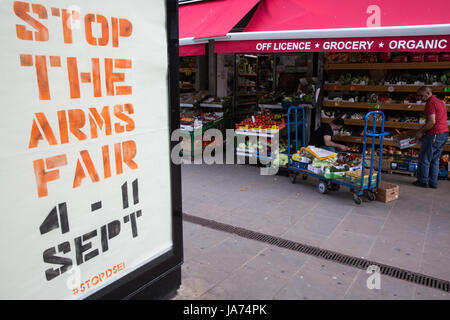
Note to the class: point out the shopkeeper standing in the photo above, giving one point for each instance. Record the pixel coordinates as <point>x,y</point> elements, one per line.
<point>434,135</point>
<point>321,138</point>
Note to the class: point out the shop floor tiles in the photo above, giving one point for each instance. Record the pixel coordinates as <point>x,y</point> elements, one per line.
<point>411,232</point>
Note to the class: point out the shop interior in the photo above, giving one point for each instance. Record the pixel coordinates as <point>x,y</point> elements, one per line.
<point>254,92</point>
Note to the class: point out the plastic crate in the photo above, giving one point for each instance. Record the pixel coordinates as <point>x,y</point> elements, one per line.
<point>299,165</point>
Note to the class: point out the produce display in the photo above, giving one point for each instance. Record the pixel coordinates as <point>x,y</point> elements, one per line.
<point>336,167</point>
<point>396,77</point>
<point>352,98</point>
<point>193,98</point>
<point>194,119</point>
<point>224,101</point>
<point>304,94</point>
<point>263,121</point>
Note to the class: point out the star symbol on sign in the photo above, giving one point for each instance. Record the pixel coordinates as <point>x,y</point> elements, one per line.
<point>317,45</point>
<point>381,44</point>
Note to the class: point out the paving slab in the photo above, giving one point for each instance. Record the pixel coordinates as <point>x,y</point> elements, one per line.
<point>231,254</point>
<point>425,293</point>
<point>317,280</point>
<point>249,284</point>
<point>365,225</point>
<point>389,289</point>
<point>197,278</point>
<point>398,252</point>
<point>280,262</point>
<point>198,240</point>
<point>350,243</point>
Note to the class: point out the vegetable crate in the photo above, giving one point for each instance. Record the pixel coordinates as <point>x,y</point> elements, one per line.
<point>361,181</point>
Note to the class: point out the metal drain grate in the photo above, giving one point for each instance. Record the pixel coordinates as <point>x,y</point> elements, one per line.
<point>337,257</point>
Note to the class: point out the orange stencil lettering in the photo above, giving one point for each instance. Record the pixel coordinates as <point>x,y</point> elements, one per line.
<point>63,126</point>
<point>67,17</point>
<point>42,78</point>
<point>79,171</point>
<point>42,176</point>
<point>112,77</point>
<point>118,112</point>
<point>96,83</point>
<point>106,162</point>
<point>121,27</point>
<point>118,157</point>
<point>77,120</point>
<point>129,152</point>
<point>96,120</point>
<point>21,10</point>
<point>38,131</point>
<point>88,20</point>
<point>86,77</point>
<point>74,81</point>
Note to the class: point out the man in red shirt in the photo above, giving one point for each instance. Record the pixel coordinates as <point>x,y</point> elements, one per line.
<point>434,135</point>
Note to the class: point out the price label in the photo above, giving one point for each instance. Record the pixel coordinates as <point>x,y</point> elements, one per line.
<point>391,89</point>
<point>253,119</point>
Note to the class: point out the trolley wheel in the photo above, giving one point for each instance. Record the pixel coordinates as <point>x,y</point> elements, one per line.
<point>357,199</point>
<point>305,176</point>
<point>335,187</point>
<point>293,177</point>
<point>371,195</point>
<point>322,187</point>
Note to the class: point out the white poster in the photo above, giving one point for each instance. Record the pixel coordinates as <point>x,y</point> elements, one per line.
<point>84,136</point>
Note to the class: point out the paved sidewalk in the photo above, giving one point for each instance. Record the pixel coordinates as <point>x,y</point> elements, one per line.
<point>412,233</point>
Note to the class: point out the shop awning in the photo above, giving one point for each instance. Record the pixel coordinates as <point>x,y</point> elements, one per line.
<point>310,25</point>
<point>192,50</point>
<point>210,19</point>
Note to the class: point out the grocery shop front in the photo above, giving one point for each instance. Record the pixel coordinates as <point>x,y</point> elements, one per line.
<point>343,60</point>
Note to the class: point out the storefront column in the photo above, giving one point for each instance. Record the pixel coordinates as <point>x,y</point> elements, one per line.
<point>212,69</point>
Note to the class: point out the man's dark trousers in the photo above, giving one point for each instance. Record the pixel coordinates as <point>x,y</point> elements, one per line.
<point>430,151</point>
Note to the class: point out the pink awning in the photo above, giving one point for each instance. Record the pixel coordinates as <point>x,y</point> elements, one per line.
<point>211,19</point>
<point>192,50</point>
<point>350,25</point>
<point>280,15</point>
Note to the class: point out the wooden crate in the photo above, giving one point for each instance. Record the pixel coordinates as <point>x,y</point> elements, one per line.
<point>385,162</point>
<point>387,192</point>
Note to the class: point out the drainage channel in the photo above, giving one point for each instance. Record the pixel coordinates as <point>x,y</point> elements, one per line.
<point>337,257</point>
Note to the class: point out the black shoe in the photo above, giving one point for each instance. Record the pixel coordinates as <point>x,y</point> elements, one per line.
<point>432,187</point>
<point>420,184</point>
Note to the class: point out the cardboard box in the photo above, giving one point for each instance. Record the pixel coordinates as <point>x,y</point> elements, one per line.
<point>405,140</point>
<point>387,192</point>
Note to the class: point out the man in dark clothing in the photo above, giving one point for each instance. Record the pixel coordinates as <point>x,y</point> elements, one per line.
<point>434,135</point>
<point>321,138</point>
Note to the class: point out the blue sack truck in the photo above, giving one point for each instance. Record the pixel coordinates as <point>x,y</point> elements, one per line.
<point>326,184</point>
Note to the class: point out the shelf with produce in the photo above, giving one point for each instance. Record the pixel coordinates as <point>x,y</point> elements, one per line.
<point>386,142</point>
<point>247,74</point>
<point>373,106</point>
<point>270,106</point>
<point>382,88</point>
<point>247,94</point>
<point>187,70</point>
<point>387,66</point>
<point>186,105</point>
<point>212,105</point>
<point>247,103</point>
<point>388,124</point>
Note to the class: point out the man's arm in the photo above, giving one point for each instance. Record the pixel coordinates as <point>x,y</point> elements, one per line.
<point>431,120</point>
<point>329,143</point>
